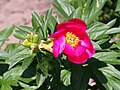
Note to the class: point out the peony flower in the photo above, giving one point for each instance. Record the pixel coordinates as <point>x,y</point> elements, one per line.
<point>72,39</point>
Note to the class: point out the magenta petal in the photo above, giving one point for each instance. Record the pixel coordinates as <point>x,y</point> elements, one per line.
<point>80,50</point>
<point>79,60</point>
<point>85,43</point>
<point>69,50</point>
<point>80,23</point>
<point>90,50</point>
<point>58,46</point>
<point>74,52</point>
<point>57,34</point>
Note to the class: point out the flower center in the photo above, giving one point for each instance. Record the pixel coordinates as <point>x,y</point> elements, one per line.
<point>71,39</point>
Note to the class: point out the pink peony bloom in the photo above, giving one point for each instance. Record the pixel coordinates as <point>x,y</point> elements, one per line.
<point>72,39</point>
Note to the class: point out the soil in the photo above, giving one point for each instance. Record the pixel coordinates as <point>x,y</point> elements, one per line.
<point>19,12</point>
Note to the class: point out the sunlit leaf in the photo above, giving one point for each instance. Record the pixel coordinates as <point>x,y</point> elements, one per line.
<point>65,77</point>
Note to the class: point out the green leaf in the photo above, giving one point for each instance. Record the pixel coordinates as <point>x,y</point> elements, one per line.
<point>97,31</point>
<point>27,87</point>
<point>65,77</point>
<point>27,80</point>
<point>19,34</point>
<point>37,24</point>
<point>111,23</point>
<point>26,29</point>
<point>40,78</point>
<point>97,47</point>
<point>52,24</point>
<point>112,75</point>
<point>95,11</point>
<point>17,54</point>
<point>46,20</point>
<point>13,48</point>
<point>102,41</point>
<point>108,57</point>
<point>17,58</point>
<point>6,86</point>
<point>26,62</point>
<point>98,75</point>
<point>113,31</point>
<point>105,55</point>
<point>13,74</point>
<point>4,55</point>
<point>6,33</point>
<point>64,8</point>
<point>3,38</point>
<point>118,6</point>
<point>111,71</point>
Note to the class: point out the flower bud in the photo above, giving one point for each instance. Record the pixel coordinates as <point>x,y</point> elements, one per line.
<point>26,43</point>
<point>29,37</point>
<point>35,38</point>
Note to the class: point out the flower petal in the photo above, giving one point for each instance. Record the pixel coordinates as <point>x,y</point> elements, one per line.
<point>80,23</point>
<point>58,45</point>
<point>74,52</point>
<point>77,31</point>
<point>69,50</point>
<point>79,60</point>
<point>90,50</point>
<point>57,34</point>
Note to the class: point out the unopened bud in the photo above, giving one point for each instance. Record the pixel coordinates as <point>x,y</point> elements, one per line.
<point>29,37</point>
<point>35,38</point>
<point>26,43</point>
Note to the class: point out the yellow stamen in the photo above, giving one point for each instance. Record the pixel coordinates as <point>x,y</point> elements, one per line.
<point>71,39</point>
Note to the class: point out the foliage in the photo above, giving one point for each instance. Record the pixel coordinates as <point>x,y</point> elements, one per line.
<point>33,67</point>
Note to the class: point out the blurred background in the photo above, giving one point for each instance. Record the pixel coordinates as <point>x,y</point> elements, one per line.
<point>19,11</point>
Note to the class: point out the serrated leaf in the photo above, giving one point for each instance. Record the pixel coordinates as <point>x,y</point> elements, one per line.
<point>65,77</point>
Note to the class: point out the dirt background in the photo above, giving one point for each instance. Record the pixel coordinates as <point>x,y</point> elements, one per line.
<point>19,12</point>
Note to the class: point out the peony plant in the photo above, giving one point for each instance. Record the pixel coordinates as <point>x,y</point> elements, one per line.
<point>76,50</point>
